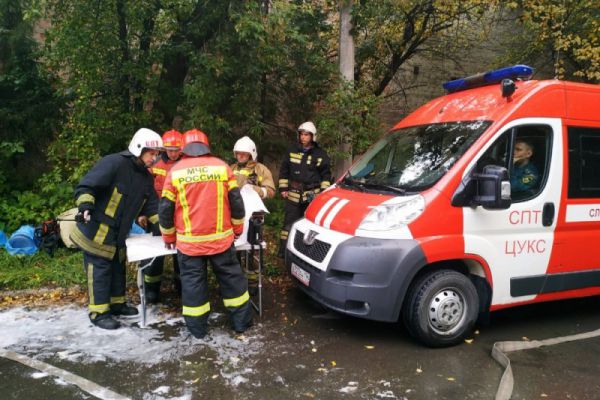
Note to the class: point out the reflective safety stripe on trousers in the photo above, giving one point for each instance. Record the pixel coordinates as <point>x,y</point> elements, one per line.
<point>196,311</point>
<point>237,301</point>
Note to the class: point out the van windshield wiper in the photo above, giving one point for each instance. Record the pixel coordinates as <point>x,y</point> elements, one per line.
<point>352,183</point>
<point>389,188</point>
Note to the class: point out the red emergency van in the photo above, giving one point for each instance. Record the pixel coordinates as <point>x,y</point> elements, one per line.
<point>482,199</point>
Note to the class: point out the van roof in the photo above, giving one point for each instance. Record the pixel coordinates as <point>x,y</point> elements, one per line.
<point>548,98</point>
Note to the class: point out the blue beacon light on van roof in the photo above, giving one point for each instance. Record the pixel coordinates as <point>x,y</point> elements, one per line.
<point>489,78</point>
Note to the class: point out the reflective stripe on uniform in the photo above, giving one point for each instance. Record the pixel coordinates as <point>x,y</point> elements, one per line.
<point>325,184</point>
<point>85,198</point>
<point>153,218</point>
<point>159,171</point>
<point>113,203</point>
<point>220,205</point>
<point>235,221</point>
<point>284,235</point>
<point>102,250</point>
<point>101,234</point>
<point>117,300</point>
<point>152,279</point>
<point>204,238</point>
<point>196,311</point>
<point>168,195</point>
<point>232,184</point>
<point>237,301</point>
<point>185,212</point>
<point>167,231</point>
<point>90,281</point>
<point>98,308</point>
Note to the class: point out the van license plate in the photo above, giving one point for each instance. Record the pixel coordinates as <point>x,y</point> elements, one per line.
<point>301,274</point>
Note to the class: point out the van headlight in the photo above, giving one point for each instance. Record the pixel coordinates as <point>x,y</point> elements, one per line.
<point>393,214</point>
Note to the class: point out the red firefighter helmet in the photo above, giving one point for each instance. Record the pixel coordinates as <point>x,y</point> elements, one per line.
<point>195,143</point>
<point>172,140</point>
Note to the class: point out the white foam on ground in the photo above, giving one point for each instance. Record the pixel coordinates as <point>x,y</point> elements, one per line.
<point>66,332</point>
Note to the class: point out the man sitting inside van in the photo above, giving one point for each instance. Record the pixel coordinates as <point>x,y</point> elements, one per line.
<point>524,177</point>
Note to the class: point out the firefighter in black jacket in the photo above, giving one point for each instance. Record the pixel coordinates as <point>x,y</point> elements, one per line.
<point>116,191</point>
<point>304,172</point>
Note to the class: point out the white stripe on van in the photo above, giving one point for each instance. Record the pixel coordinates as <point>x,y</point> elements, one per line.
<point>334,212</point>
<point>324,209</point>
<point>583,213</point>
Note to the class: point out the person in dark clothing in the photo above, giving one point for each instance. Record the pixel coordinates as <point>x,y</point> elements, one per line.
<point>201,212</point>
<point>116,191</point>
<point>524,176</point>
<point>304,173</point>
<point>153,275</point>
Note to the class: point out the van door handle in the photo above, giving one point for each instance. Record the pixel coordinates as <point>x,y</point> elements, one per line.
<point>548,214</point>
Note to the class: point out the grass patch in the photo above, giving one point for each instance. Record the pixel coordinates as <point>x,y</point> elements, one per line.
<point>40,270</point>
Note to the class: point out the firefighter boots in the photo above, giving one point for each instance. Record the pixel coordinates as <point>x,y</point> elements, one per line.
<point>241,318</point>
<point>197,326</point>
<point>153,292</point>
<point>123,309</point>
<point>104,321</point>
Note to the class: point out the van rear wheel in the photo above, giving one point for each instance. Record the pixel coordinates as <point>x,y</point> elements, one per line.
<point>441,308</point>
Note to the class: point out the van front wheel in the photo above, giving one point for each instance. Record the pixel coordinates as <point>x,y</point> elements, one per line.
<point>441,308</point>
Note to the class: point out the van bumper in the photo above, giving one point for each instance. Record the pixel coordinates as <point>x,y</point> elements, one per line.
<point>366,277</point>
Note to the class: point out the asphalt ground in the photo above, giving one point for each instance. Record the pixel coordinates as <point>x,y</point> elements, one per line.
<point>298,350</point>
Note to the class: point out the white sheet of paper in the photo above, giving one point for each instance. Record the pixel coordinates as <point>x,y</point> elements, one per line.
<point>142,247</point>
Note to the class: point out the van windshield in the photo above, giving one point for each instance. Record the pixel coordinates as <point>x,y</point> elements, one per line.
<point>413,159</point>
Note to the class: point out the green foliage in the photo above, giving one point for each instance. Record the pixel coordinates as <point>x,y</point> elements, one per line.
<point>349,115</point>
<point>566,33</point>
<point>40,270</point>
<point>29,108</point>
<point>276,212</point>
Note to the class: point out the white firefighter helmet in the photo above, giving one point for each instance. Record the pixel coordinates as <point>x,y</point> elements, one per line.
<point>246,145</point>
<point>145,138</point>
<point>309,127</point>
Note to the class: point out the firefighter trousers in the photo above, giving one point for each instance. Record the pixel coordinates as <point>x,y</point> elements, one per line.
<point>293,212</point>
<point>233,288</point>
<point>153,274</point>
<point>105,280</point>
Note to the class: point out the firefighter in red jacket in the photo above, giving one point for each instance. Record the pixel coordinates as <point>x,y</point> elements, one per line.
<point>200,213</point>
<point>172,141</point>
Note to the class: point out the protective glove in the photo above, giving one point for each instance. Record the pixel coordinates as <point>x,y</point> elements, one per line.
<point>85,212</point>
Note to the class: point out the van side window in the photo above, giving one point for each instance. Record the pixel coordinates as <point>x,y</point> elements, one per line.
<point>530,159</point>
<point>584,162</point>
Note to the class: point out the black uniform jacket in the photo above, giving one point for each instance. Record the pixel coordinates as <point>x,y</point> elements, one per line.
<point>304,172</point>
<point>116,190</point>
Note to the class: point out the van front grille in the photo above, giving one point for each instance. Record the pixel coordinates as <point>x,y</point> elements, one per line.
<point>316,251</point>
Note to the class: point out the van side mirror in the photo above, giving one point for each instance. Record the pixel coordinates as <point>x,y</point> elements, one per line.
<point>489,189</point>
<point>493,188</point>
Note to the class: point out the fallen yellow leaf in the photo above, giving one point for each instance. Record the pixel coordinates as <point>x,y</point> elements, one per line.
<point>468,341</point>
<point>333,363</point>
<point>451,379</point>
<point>369,347</point>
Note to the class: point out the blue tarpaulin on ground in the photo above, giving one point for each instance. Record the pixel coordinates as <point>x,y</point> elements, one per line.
<point>2,239</point>
<point>22,241</point>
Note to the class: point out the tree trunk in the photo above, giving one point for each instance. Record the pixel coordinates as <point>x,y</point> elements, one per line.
<point>347,72</point>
